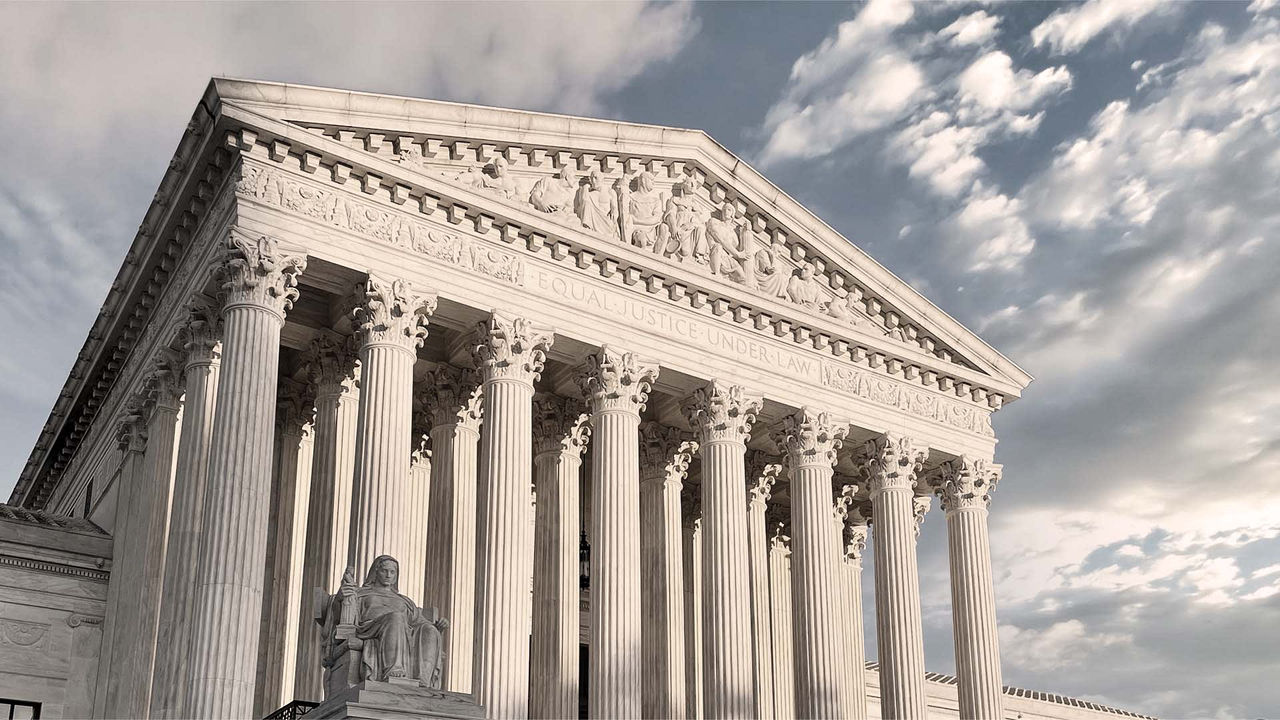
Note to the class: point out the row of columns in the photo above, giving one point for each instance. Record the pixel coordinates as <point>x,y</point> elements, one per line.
<point>709,574</point>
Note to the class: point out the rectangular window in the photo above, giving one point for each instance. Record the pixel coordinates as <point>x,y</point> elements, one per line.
<point>19,710</point>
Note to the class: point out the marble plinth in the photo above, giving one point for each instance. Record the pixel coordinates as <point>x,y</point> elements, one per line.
<point>396,701</point>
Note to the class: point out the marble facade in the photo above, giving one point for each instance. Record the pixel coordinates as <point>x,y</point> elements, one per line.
<point>354,325</point>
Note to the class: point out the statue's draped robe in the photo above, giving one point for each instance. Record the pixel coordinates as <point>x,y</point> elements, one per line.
<point>398,640</point>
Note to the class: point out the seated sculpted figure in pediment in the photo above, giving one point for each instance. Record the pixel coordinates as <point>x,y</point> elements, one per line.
<point>372,632</point>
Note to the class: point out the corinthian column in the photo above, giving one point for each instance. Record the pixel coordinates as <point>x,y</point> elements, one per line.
<point>691,529</point>
<point>139,562</point>
<point>854,541</point>
<point>892,463</point>
<point>202,351</point>
<point>331,368</point>
<point>453,399</point>
<point>616,385</point>
<point>966,492</point>
<point>560,434</point>
<point>664,460</point>
<point>392,324</point>
<point>510,353</point>
<point>811,440</point>
<point>784,688</point>
<point>722,415</point>
<point>259,280</point>
<point>762,473</point>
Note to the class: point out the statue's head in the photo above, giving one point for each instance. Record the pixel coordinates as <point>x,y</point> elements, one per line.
<point>384,572</point>
<point>499,166</point>
<point>567,176</point>
<point>645,181</point>
<point>596,180</point>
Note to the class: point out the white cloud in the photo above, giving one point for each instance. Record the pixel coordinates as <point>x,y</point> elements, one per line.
<point>1066,31</point>
<point>992,85</point>
<point>976,28</point>
<point>1061,645</point>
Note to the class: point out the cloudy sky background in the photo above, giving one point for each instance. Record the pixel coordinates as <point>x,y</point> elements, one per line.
<point>1094,188</point>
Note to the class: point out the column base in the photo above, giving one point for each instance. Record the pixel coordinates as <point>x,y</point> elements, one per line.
<point>396,701</point>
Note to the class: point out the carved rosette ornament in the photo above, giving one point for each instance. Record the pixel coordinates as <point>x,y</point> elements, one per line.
<point>722,412</point>
<point>810,438</point>
<point>389,312</point>
<point>511,348</point>
<point>614,380</point>
<point>258,271</point>
<point>665,452</point>
<point>560,425</point>
<point>892,461</point>
<point>967,483</point>
<point>454,397</point>
<point>201,335</point>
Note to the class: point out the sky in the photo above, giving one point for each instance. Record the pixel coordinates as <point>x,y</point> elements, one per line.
<point>1094,188</point>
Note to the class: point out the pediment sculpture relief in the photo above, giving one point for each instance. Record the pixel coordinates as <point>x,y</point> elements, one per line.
<point>372,632</point>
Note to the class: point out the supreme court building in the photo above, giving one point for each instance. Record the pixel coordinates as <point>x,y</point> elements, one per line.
<point>625,413</point>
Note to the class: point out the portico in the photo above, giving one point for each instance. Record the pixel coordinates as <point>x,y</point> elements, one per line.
<point>378,302</point>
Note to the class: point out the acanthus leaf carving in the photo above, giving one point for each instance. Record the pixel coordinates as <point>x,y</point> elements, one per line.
<point>665,452</point>
<point>257,270</point>
<point>391,312</point>
<point>810,438</point>
<point>722,412</point>
<point>967,483</point>
<point>511,348</point>
<point>560,425</point>
<point>331,365</point>
<point>763,473</point>
<point>892,462</point>
<point>454,396</point>
<point>614,380</point>
<point>920,505</point>
<point>200,335</point>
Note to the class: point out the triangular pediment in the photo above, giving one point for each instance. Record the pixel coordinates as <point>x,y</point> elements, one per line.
<point>668,196</point>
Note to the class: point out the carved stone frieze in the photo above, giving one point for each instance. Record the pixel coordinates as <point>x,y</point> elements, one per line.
<point>665,452</point>
<point>389,311</point>
<point>256,270</point>
<point>337,209</point>
<point>454,396</point>
<point>616,380</point>
<point>885,391</point>
<point>509,347</point>
<point>967,483</point>
<point>892,462</point>
<point>810,438</point>
<point>560,425</point>
<point>722,412</point>
<point>24,635</point>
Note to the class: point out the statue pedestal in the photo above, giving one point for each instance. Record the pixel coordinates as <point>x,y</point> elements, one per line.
<point>397,701</point>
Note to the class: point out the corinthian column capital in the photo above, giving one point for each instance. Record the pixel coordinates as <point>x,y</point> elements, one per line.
<point>560,426</point>
<point>967,483</point>
<point>131,428</point>
<point>616,380</point>
<point>389,312</point>
<point>257,270</point>
<point>763,471</point>
<point>691,507</point>
<point>331,364</point>
<point>295,406</point>
<point>164,384</point>
<point>454,397</point>
<point>810,438</point>
<point>665,452</point>
<point>511,348</point>
<point>920,506</point>
<point>722,412</point>
<point>200,337</point>
<point>892,461</point>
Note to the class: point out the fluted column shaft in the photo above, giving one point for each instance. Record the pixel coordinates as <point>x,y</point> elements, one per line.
<point>965,491</point>
<point>392,325</point>
<point>616,385</point>
<point>201,342</point>
<point>761,477</point>
<point>288,526</point>
<point>454,400</point>
<point>839,581</point>
<point>331,369</point>
<point>811,440</point>
<point>691,529</point>
<point>560,435</point>
<point>784,689</point>
<point>854,541</point>
<point>510,353</point>
<point>413,580</point>
<point>665,456</point>
<point>259,280</point>
<point>722,416</point>
<point>892,466</point>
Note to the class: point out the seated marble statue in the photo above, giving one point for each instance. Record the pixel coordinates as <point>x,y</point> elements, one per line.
<point>372,632</point>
